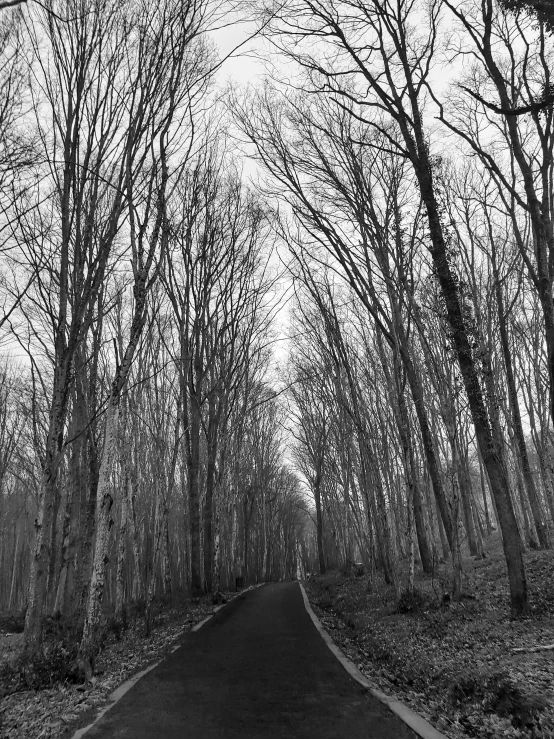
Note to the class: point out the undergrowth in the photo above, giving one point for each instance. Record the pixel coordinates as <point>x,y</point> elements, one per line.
<point>12,623</point>
<point>411,601</point>
<point>55,662</point>
<point>462,662</point>
<point>51,665</point>
<point>498,692</point>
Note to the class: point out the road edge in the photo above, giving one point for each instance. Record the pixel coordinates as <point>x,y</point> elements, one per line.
<point>125,687</point>
<point>417,723</point>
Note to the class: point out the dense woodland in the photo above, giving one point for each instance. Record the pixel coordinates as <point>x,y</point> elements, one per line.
<point>397,237</point>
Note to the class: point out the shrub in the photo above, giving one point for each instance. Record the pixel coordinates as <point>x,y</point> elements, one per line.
<point>498,693</point>
<point>411,601</point>
<point>116,626</point>
<point>64,629</point>
<point>13,623</point>
<point>325,601</point>
<point>506,698</point>
<point>346,570</point>
<point>377,651</point>
<point>136,609</point>
<point>467,688</point>
<point>437,624</point>
<point>53,664</point>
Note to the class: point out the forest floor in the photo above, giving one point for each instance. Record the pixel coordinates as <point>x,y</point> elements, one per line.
<point>455,663</point>
<point>59,710</point>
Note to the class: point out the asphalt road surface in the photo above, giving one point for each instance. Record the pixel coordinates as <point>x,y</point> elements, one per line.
<point>258,669</point>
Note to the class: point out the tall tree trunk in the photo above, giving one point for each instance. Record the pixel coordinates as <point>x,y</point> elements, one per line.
<point>466,494</point>
<point>428,445</point>
<point>377,511</point>
<point>193,464</point>
<point>137,588</point>
<point>209,498</point>
<point>396,390</point>
<point>104,502</point>
<point>156,546</point>
<point>122,550</point>
<point>65,552</point>
<point>245,532</point>
<point>429,448</point>
<point>89,489</point>
<point>166,561</point>
<point>488,445</point>
<point>319,523</point>
<point>217,557</point>
<point>14,570</point>
<point>415,498</point>
<point>53,546</point>
<point>536,508</point>
<point>484,494</point>
<point>235,566</point>
<point>40,560</point>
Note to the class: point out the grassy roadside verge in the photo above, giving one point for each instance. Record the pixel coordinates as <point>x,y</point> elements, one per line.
<point>455,663</point>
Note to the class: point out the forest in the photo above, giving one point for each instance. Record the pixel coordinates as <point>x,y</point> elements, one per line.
<point>254,332</point>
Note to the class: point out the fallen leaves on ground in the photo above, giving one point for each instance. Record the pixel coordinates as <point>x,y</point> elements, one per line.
<point>453,663</point>
<point>59,711</point>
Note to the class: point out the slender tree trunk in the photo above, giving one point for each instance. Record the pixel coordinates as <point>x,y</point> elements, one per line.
<point>484,494</point>
<point>413,488</point>
<point>156,546</point>
<point>377,512</point>
<point>53,547</point>
<point>217,559</point>
<point>235,566</point>
<point>319,523</point>
<point>245,530</point>
<point>137,589</point>
<point>209,499</point>
<point>14,569</point>
<point>193,464</point>
<point>89,489</point>
<point>406,440</point>
<point>457,551</point>
<point>466,493</point>
<point>122,551</point>
<point>166,561</point>
<point>536,508</point>
<point>498,476</point>
<point>411,547</point>
<point>429,449</point>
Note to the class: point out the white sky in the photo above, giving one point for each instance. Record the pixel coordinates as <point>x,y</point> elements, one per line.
<point>242,68</point>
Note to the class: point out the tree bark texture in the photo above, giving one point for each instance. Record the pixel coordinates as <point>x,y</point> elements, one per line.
<point>488,446</point>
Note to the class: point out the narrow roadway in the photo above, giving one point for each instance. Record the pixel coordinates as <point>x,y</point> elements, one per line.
<point>257,669</point>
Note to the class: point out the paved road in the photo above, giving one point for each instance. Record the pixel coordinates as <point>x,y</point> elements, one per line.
<point>258,670</point>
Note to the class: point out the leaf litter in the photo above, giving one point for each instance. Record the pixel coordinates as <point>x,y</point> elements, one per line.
<point>454,662</point>
<point>60,710</point>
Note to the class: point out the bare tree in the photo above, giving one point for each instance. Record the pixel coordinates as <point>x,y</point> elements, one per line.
<point>313,424</point>
<point>383,83</point>
<point>160,104</point>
